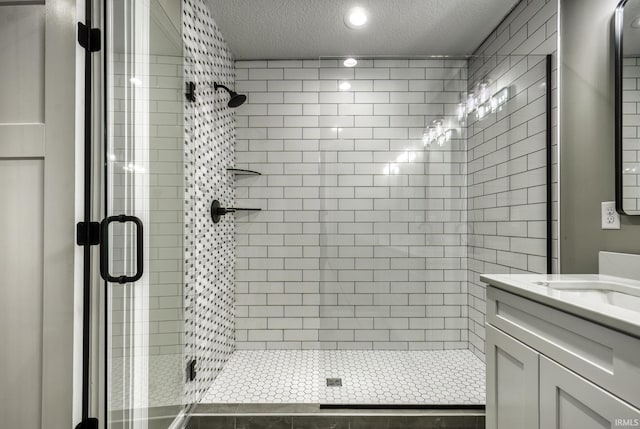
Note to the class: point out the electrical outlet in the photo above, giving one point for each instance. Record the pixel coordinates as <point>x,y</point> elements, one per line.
<point>610,218</point>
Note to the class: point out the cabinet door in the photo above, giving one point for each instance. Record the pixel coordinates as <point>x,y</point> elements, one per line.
<point>512,382</point>
<point>568,401</point>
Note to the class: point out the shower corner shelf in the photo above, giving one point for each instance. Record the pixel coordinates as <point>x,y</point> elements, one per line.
<point>217,211</point>
<point>243,172</point>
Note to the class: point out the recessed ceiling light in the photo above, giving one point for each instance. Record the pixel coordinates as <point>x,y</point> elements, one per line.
<point>636,22</point>
<point>356,17</point>
<point>344,86</point>
<point>350,62</point>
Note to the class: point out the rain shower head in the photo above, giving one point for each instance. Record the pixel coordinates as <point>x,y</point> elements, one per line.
<point>235,100</point>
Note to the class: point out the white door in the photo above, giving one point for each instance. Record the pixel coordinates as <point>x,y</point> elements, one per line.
<point>37,213</point>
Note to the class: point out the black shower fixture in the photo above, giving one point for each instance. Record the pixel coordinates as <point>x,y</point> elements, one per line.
<point>235,100</point>
<point>190,92</point>
<point>217,210</point>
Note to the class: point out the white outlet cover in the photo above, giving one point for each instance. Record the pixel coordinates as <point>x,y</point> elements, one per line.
<point>609,215</point>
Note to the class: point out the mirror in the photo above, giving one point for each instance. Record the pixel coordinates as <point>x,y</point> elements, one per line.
<point>627,122</point>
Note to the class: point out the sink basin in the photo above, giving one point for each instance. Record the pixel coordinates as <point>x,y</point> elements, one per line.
<point>604,292</point>
<point>610,298</point>
<point>619,299</point>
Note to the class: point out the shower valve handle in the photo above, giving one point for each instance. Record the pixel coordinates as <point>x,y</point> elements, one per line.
<point>221,211</point>
<point>217,210</point>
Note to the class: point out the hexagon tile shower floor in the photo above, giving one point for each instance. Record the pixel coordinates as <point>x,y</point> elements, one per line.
<point>435,377</point>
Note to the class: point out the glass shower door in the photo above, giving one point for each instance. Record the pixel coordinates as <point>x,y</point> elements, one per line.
<point>145,364</point>
<point>393,227</point>
<point>433,171</point>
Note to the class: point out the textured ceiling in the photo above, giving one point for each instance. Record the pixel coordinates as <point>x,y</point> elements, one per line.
<point>281,29</point>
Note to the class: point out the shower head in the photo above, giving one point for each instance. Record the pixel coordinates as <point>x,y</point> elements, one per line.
<point>235,100</point>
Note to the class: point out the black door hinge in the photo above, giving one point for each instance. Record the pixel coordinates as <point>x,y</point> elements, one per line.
<point>89,38</point>
<point>191,370</point>
<point>190,92</point>
<point>94,233</point>
<point>90,423</point>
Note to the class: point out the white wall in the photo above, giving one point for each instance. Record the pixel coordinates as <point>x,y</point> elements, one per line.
<point>587,136</point>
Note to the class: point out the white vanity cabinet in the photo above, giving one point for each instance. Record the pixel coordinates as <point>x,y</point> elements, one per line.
<point>548,369</point>
<point>568,401</point>
<point>512,382</point>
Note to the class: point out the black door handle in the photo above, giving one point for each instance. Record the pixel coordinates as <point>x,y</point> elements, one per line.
<point>104,249</point>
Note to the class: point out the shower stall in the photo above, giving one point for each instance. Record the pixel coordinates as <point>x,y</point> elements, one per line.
<point>356,206</point>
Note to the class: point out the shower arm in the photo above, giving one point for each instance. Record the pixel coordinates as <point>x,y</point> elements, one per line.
<point>217,85</point>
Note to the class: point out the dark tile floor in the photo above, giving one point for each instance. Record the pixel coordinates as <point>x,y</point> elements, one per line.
<point>309,416</point>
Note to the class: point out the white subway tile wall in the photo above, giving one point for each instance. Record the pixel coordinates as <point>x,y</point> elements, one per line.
<point>361,241</point>
<point>137,169</point>
<point>506,156</point>
<point>209,248</point>
<point>631,133</point>
<point>165,217</point>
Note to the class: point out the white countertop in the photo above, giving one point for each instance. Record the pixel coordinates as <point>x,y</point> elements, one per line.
<point>621,319</point>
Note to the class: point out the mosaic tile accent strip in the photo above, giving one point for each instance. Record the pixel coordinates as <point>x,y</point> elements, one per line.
<point>506,156</point>
<point>209,247</point>
<point>368,377</point>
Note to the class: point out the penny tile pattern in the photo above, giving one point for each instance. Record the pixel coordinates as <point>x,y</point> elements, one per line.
<point>209,248</point>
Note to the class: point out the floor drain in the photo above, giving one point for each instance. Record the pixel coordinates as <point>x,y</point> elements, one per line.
<point>334,382</point>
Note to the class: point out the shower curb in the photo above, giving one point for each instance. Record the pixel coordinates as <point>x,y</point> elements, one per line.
<point>312,416</point>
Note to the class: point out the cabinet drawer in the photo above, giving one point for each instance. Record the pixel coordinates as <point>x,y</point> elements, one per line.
<point>608,358</point>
